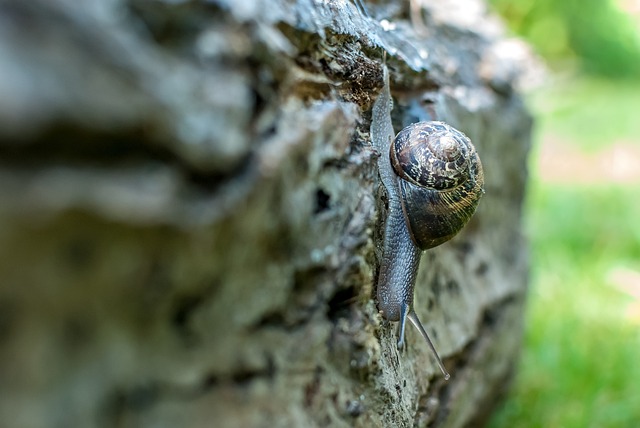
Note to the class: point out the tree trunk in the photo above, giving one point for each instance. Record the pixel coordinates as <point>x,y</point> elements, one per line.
<point>191,217</point>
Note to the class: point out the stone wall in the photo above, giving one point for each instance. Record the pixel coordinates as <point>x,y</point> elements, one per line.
<point>190,214</point>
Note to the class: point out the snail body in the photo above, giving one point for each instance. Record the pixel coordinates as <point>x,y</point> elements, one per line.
<point>434,181</point>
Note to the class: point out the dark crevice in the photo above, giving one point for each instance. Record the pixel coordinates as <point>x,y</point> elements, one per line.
<point>492,314</point>
<point>182,312</point>
<point>185,306</point>
<point>490,317</point>
<point>340,304</point>
<point>238,378</point>
<point>247,376</point>
<point>280,320</point>
<point>271,319</point>
<point>323,200</point>
<point>72,145</point>
<point>77,144</point>
<point>482,269</point>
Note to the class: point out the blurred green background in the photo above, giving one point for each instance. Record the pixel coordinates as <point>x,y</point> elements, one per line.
<point>580,365</point>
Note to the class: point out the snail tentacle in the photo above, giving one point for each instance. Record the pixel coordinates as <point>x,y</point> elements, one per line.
<point>413,317</point>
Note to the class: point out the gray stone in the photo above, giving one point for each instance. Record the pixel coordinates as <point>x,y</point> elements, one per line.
<point>189,214</point>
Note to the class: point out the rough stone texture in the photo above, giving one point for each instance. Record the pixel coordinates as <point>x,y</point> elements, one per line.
<point>189,214</point>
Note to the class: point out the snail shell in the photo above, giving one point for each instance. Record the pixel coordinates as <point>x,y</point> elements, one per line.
<point>441,180</point>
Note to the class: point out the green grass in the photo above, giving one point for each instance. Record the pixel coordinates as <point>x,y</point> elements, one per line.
<point>581,362</point>
<point>580,366</point>
<point>590,113</point>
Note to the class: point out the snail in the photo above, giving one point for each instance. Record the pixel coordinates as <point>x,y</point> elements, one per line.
<point>434,180</point>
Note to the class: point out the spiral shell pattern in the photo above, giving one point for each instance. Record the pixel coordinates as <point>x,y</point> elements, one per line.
<point>440,178</point>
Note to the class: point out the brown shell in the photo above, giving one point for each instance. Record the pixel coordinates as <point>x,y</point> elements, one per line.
<point>441,180</point>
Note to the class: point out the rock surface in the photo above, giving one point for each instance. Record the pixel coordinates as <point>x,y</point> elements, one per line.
<point>190,214</point>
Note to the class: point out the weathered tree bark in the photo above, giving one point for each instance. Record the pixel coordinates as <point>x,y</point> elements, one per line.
<point>190,214</point>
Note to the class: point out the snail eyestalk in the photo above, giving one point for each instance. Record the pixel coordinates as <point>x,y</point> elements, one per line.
<point>413,317</point>
<point>403,322</point>
<point>405,314</point>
